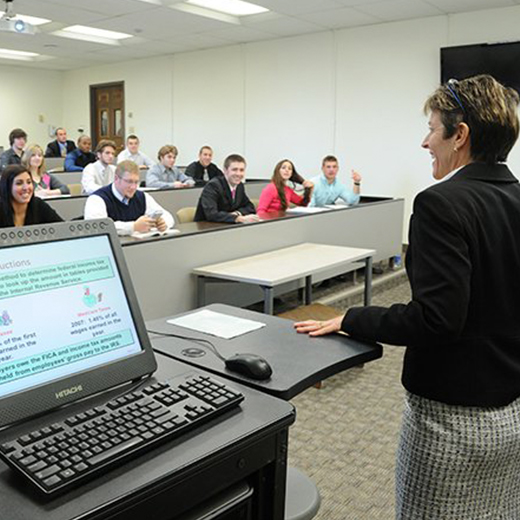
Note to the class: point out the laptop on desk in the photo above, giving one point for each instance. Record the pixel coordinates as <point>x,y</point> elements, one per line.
<point>71,329</point>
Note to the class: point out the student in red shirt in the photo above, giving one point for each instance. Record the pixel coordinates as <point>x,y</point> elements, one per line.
<point>277,196</point>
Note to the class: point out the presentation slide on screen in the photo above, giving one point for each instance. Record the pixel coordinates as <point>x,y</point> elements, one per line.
<point>62,310</point>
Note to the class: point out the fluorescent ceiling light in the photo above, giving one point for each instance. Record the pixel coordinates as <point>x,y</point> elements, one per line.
<point>91,34</point>
<point>17,55</point>
<point>92,31</point>
<point>232,7</point>
<point>33,20</point>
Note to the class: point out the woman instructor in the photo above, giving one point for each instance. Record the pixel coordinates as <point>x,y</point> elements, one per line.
<point>459,450</point>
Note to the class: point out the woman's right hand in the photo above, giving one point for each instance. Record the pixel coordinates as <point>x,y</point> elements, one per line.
<point>319,328</point>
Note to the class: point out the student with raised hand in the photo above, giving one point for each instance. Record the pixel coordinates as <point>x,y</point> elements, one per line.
<point>17,142</point>
<point>277,196</point>
<point>101,173</point>
<point>45,184</point>
<point>132,153</point>
<point>166,174</point>
<point>130,209</point>
<point>328,189</point>
<point>61,146</point>
<point>18,206</point>
<point>224,198</point>
<point>82,156</point>
<point>204,169</point>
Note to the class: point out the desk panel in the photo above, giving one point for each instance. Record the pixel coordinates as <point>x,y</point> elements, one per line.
<point>161,269</point>
<point>170,199</point>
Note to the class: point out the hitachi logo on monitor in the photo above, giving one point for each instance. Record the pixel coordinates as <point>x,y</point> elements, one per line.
<point>68,391</point>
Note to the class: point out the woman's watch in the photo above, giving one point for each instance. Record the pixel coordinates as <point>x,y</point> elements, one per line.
<point>357,184</point>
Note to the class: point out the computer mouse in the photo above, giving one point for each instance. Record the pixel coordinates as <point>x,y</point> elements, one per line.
<point>249,365</point>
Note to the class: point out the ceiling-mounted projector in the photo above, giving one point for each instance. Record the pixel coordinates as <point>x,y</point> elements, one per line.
<point>9,22</point>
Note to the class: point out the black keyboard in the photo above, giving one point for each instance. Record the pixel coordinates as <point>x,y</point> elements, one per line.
<point>64,454</point>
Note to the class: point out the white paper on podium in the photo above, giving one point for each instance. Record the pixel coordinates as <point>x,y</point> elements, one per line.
<point>216,324</point>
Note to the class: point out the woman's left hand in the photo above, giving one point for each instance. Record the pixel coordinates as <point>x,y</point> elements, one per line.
<point>319,328</point>
<point>308,184</point>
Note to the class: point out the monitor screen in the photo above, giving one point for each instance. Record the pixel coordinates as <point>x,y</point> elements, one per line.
<point>69,319</point>
<point>63,310</point>
<point>500,60</point>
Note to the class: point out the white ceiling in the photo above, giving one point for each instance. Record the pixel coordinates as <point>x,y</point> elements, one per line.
<point>158,29</point>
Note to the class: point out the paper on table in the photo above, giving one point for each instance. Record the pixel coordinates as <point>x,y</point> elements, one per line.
<point>155,233</point>
<point>307,209</point>
<point>216,324</point>
<point>339,205</point>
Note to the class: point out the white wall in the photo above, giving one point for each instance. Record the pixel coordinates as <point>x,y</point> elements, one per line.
<point>357,93</point>
<point>25,96</point>
<point>148,97</point>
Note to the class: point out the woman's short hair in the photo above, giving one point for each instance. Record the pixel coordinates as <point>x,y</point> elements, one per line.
<point>30,151</point>
<point>166,149</point>
<point>487,107</point>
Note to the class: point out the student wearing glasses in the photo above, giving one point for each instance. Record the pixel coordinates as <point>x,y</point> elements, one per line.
<point>130,209</point>
<point>459,451</point>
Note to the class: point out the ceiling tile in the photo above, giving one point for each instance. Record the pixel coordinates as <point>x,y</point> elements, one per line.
<point>241,34</point>
<point>283,26</point>
<point>339,18</point>
<point>295,7</point>
<point>392,10</point>
<point>449,6</point>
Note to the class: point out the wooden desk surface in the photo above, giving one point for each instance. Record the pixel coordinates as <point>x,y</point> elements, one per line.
<point>283,265</point>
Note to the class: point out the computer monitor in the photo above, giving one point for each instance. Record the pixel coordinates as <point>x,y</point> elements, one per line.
<point>70,324</point>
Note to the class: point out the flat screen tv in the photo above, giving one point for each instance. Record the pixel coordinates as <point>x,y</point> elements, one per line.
<point>501,60</point>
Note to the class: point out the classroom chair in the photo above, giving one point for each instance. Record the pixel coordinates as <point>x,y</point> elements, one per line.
<point>185,215</point>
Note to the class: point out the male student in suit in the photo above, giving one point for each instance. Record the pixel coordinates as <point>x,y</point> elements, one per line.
<point>130,209</point>
<point>224,198</point>
<point>61,146</point>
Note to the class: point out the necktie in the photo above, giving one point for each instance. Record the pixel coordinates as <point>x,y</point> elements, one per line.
<point>233,191</point>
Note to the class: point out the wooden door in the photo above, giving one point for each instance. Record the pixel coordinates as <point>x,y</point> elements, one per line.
<point>107,113</point>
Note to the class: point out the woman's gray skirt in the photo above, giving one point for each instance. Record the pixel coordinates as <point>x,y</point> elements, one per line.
<point>457,462</point>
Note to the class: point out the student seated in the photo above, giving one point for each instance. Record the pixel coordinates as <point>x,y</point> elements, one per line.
<point>101,173</point>
<point>81,156</point>
<point>18,206</point>
<point>61,146</point>
<point>327,188</point>
<point>277,196</point>
<point>17,141</point>
<point>165,174</point>
<point>130,209</point>
<point>224,198</point>
<point>45,184</point>
<point>132,153</point>
<point>203,170</point>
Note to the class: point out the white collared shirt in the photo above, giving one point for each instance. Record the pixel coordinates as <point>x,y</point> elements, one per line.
<point>95,207</point>
<point>95,176</point>
<point>138,158</point>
